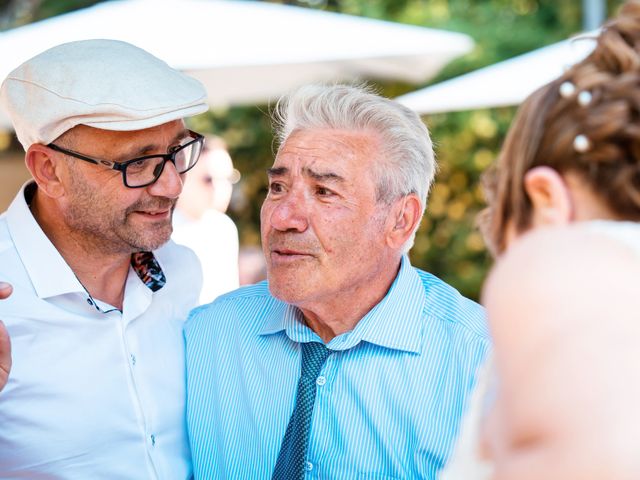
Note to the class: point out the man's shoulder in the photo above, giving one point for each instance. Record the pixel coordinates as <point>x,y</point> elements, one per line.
<point>179,262</point>
<point>257,292</point>
<point>175,253</point>
<point>447,304</point>
<point>248,301</point>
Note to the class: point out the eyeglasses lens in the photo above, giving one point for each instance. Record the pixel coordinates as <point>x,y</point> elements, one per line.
<point>147,171</point>
<point>187,156</point>
<point>144,171</point>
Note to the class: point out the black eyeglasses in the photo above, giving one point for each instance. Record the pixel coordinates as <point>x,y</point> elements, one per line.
<point>143,171</point>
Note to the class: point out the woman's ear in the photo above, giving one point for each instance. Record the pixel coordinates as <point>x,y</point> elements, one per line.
<point>45,170</point>
<point>550,197</point>
<point>407,214</point>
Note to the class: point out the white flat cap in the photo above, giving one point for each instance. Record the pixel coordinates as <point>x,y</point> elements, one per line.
<point>105,84</point>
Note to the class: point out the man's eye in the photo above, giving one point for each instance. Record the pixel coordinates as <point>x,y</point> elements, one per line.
<point>323,191</point>
<point>275,187</point>
<point>137,166</point>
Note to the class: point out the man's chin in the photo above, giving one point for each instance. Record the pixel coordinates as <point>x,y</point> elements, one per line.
<point>287,290</point>
<point>149,243</point>
<point>146,236</point>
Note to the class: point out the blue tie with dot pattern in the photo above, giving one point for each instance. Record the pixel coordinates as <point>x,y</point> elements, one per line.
<point>293,451</point>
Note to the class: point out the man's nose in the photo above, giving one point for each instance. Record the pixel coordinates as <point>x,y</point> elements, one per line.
<point>290,213</point>
<point>169,184</point>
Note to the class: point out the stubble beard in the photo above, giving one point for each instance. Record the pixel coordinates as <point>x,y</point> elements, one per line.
<point>147,239</point>
<point>100,228</point>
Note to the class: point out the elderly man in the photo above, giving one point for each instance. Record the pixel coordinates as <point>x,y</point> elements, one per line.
<point>99,296</point>
<point>349,363</point>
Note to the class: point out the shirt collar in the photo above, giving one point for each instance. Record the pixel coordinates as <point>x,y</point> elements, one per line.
<point>47,269</point>
<point>288,318</point>
<point>392,323</point>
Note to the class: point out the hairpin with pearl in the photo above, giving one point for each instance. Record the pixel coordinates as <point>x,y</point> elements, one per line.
<point>581,142</point>
<point>568,90</point>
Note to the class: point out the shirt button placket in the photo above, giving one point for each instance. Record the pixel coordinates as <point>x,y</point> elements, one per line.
<point>322,385</point>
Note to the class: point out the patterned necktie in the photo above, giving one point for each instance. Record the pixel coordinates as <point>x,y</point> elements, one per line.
<point>293,451</point>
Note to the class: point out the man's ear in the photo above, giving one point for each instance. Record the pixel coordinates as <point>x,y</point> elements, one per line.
<point>550,197</point>
<point>407,213</point>
<point>45,170</point>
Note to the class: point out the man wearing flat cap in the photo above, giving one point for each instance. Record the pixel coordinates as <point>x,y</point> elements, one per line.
<point>99,292</point>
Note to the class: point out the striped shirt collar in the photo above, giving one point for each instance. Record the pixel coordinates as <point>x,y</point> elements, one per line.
<point>391,323</point>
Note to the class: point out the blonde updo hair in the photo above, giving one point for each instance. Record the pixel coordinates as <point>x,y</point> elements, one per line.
<point>607,118</point>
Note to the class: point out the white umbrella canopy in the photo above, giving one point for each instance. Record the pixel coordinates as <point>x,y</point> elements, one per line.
<point>504,83</point>
<point>244,51</point>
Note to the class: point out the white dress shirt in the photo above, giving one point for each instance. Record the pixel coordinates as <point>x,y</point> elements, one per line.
<point>91,394</point>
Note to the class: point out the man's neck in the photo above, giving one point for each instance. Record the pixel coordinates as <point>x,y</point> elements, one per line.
<point>341,313</point>
<point>103,278</point>
<point>101,273</point>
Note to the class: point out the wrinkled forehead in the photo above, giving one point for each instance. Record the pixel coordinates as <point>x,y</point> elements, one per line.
<point>341,151</point>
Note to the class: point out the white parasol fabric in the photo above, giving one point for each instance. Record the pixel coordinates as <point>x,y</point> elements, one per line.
<point>248,52</point>
<point>504,83</point>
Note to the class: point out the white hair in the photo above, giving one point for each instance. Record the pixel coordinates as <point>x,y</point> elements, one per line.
<point>406,163</point>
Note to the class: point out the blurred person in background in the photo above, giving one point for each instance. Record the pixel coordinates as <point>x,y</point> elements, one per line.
<point>563,299</point>
<point>253,268</point>
<point>200,221</point>
<point>100,293</point>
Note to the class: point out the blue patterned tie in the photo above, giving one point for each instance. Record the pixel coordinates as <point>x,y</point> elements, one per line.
<point>293,451</point>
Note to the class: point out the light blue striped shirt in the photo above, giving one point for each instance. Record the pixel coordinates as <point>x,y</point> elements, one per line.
<point>389,399</point>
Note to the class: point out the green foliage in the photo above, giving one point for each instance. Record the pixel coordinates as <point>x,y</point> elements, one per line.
<point>14,13</point>
<point>49,8</point>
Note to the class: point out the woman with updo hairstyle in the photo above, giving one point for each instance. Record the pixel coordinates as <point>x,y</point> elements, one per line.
<point>563,299</point>
<point>585,127</point>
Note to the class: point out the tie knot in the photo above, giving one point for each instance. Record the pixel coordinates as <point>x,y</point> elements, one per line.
<point>314,354</point>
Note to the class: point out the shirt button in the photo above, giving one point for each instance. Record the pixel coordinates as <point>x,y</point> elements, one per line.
<point>309,466</point>
<point>89,301</point>
<point>321,380</point>
<point>133,360</point>
<point>153,440</point>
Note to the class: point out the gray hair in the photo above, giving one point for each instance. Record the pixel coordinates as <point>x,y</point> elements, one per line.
<point>407,161</point>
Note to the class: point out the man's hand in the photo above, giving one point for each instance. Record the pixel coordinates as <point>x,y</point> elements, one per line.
<point>5,344</point>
